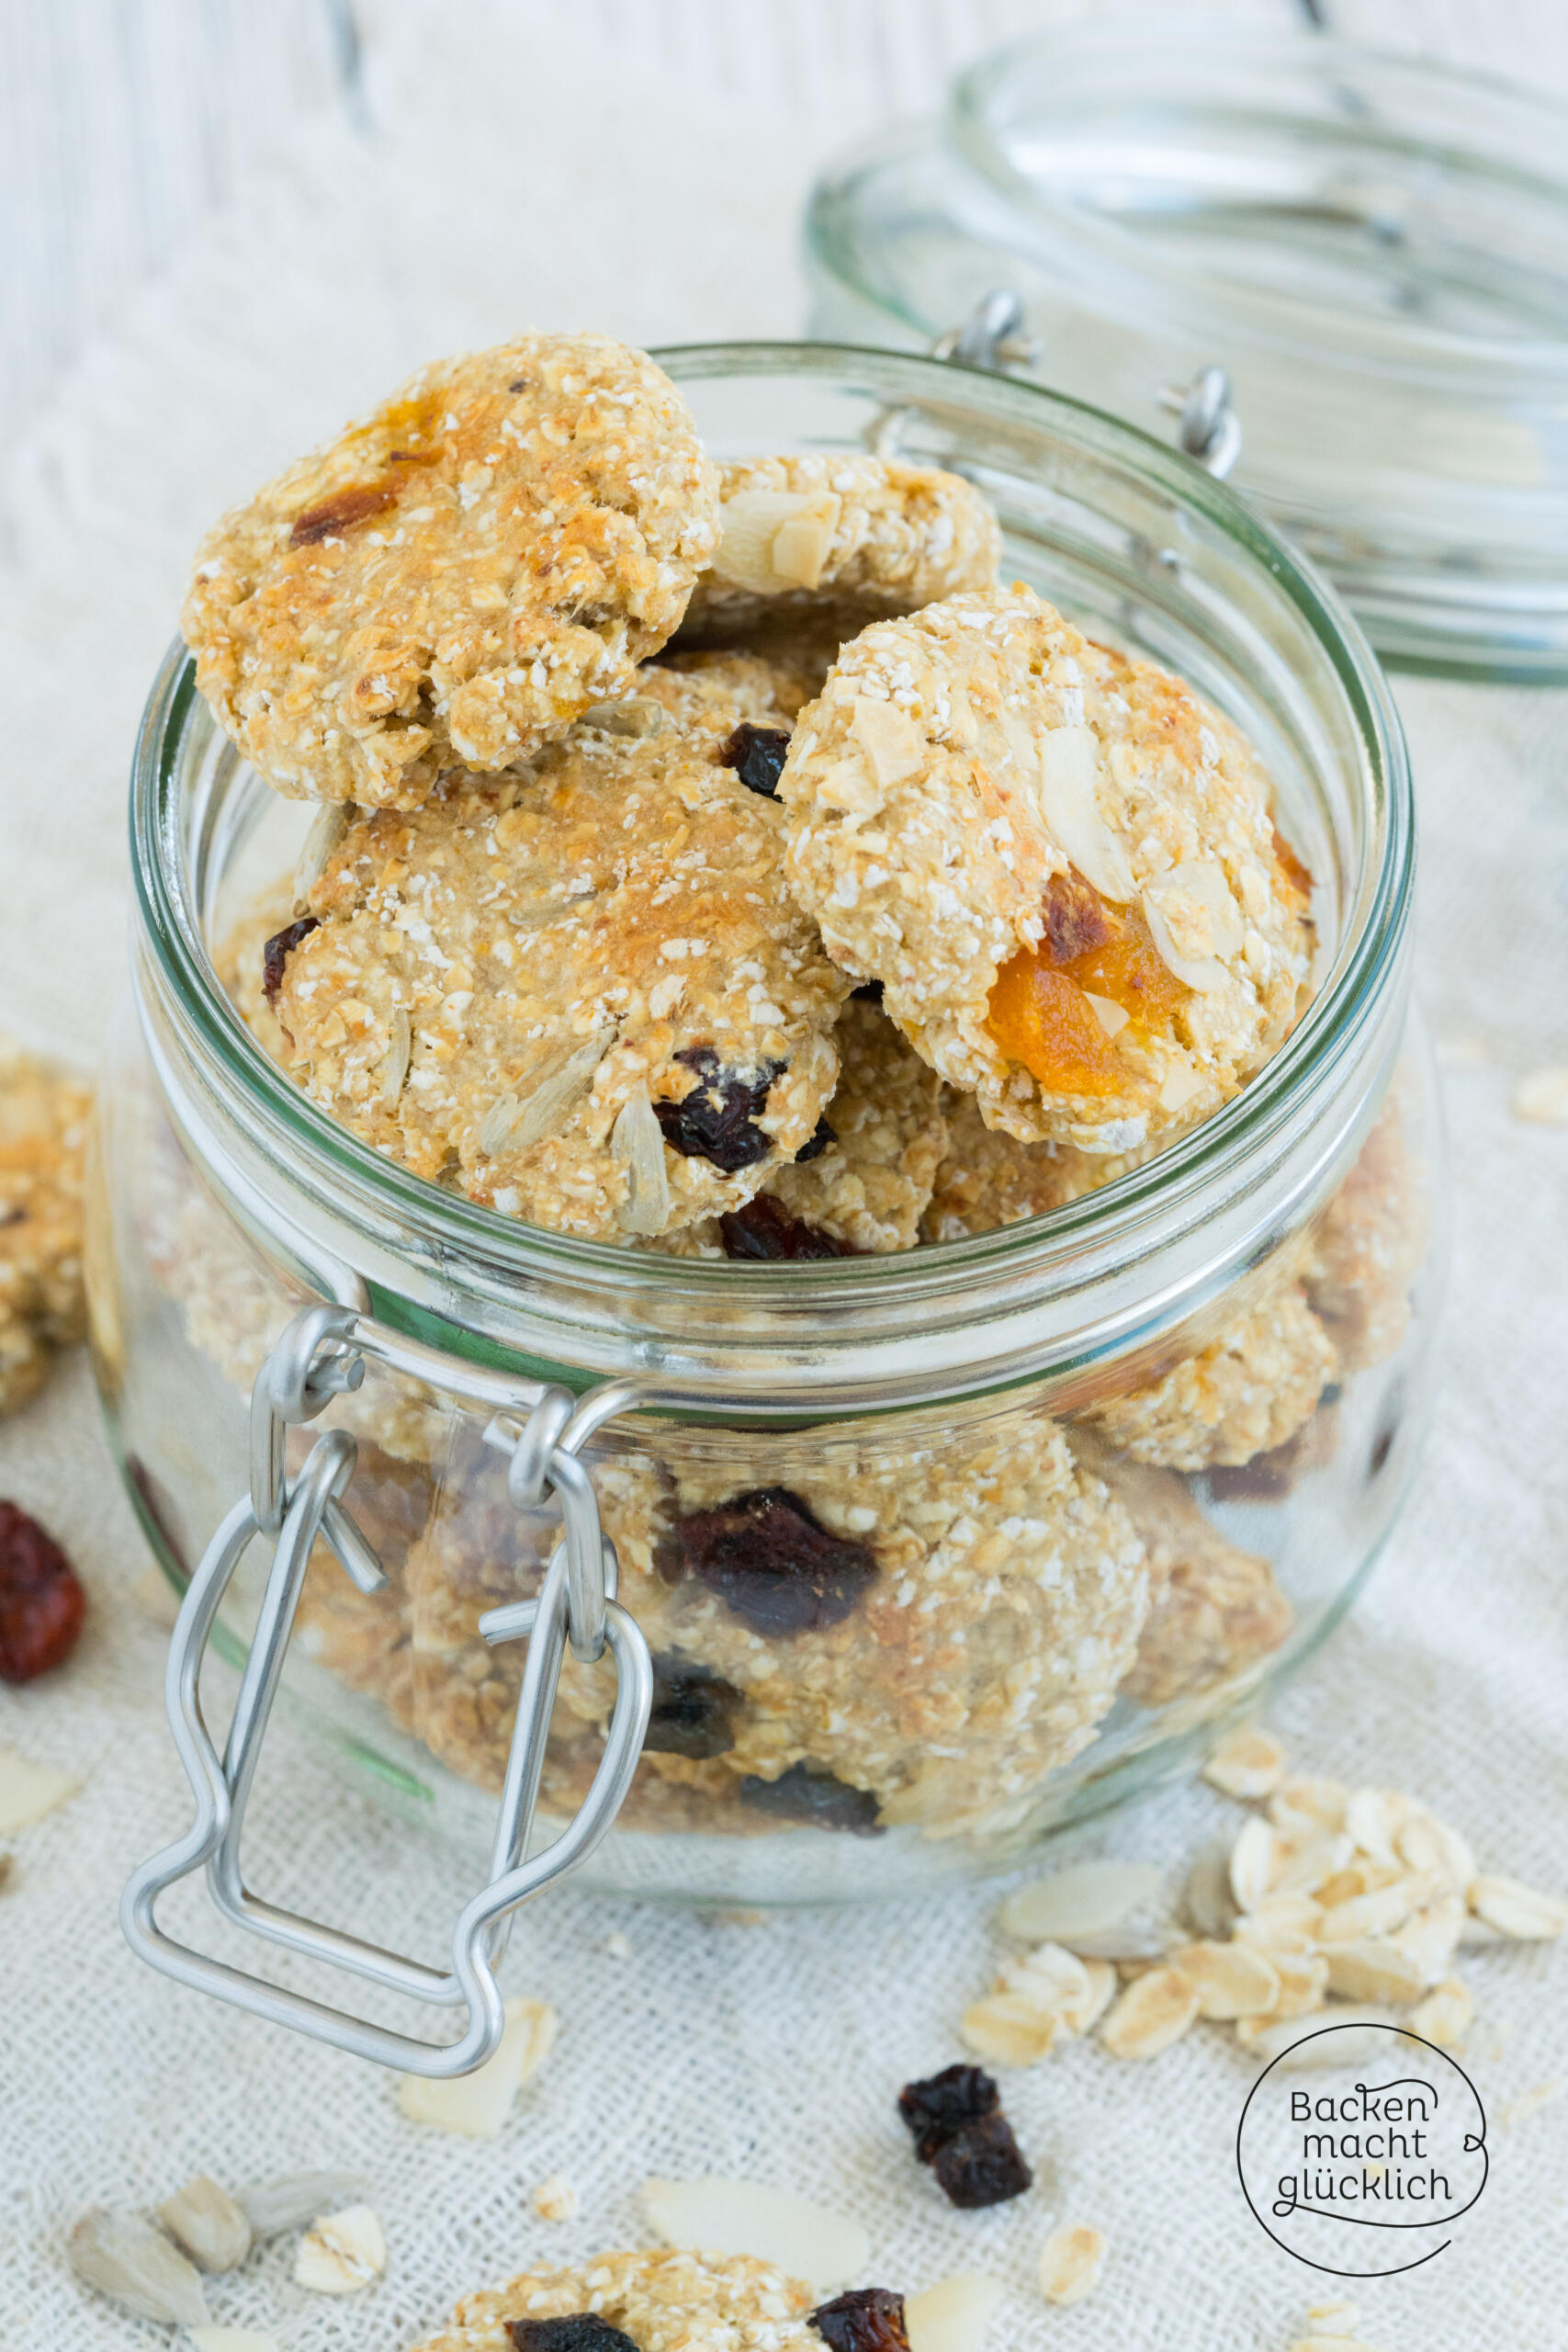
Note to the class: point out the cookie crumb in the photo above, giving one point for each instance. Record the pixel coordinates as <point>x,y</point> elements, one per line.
<point>555,2199</point>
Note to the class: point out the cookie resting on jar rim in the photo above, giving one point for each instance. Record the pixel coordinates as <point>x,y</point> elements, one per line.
<point>789,1244</point>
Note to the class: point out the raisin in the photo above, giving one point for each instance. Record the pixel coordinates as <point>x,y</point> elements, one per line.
<point>578,2331</point>
<point>764,1228</point>
<point>943,2104</point>
<point>757,756</point>
<point>1078,920</point>
<point>816,1142</point>
<point>815,1799</point>
<point>770,1559</point>
<point>715,1120</point>
<point>42,1604</point>
<point>868,2318</point>
<point>869,991</point>
<point>691,1711</point>
<point>277,951</point>
<point>982,2164</point>
<point>341,512</point>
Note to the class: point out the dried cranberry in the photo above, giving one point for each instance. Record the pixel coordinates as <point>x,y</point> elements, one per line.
<point>277,951</point>
<point>868,2318</point>
<point>815,1799</point>
<point>42,1604</point>
<point>764,1228</point>
<point>869,991</point>
<point>757,756</point>
<point>943,2104</point>
<point>578,2332</point>
<point>982,2164</point>
<point>691,1711</point>
<point>768,1557</point>
<point>816,1142</point>
<point>715,1120</point>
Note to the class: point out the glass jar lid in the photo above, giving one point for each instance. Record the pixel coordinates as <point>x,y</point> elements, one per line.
<point>1373,249</point>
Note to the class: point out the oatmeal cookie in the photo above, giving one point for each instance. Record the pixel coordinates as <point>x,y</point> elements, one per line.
<point>1244,1393</point>
<point>865,1177</point>
<point>1214,1610</point>
<point>850,1636</point>
<point>579,992</point>
<point>43,1138</point>
<point>662,2301</point>
<point>987,1178</point>
<point>1367,1247</point>
<point>458,576</point>
<point>1059,862</point>
<point>807,537</point>
<point>240,964</point>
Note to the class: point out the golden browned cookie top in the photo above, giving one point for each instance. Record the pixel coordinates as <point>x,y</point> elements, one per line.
<point>43,1135</point>
<point>806,537</point>
<point>579,992</point>
<point>1060,863</point>
<point>456,578</point>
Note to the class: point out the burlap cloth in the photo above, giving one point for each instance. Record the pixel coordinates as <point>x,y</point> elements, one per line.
<point>771,2049</point>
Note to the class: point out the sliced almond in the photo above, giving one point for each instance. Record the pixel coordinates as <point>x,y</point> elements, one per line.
<point>751,525</point>
<point>1253,1858</point>
<point>1070,771</point>
<point>1303,1982</point>
<point>1153,2012</point>
<point>811,2242</point>
<point>477,2105</point>
<point>1179,1085</point>
<point>1204,973</point>
<point>953,2315</point>
<point>343,2253</point>
<point>29,1790</point>
<point>1232,1980</point>
<point>1373,1970</point>
<point>1112,1017</point>
<point>1444,2016</point>
<point>1085,1900</point>
<point>207,2224</point>
<point>1247,1763</point>
<point>1070,2263</point>
<point>802,544</point>
<point>889,737</point>
<point>1514,1909</point>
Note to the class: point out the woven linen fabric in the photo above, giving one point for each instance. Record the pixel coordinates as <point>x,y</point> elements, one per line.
<point>771,2048</point>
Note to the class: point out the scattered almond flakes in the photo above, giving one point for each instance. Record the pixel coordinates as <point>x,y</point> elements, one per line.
<point>953,2314</point>
<point>1444,2016</point>
<point>1518,2109</point>
<point>555,2199</point>
<point>1542,1096</point>
<point>1247,1763</point>
<point>1070,2263</point>
<point>1153,2011</point>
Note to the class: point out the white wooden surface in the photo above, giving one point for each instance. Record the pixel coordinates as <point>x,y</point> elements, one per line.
<point>124,124</point>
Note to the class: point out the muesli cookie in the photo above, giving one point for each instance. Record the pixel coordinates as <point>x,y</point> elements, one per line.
<point>579,990</point>
<point>1367,1247</point>
<point>459,575</point>
<point>43,1138</point>
<point>1249,1390</point>
<point>660,2300</point>
<point>1061,865</point>
<point>832,534</point>
<point>863,1180</point>
<point>986,1178</point>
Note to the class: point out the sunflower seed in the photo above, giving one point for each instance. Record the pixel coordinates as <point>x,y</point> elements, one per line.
<point>637,1141</point>
<point>205,2220</point>
<point>295,2197</point>
<point>134,2264</point>
<point>395,1061</point>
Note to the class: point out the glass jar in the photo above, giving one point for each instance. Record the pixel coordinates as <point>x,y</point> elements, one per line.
<point>1057,1500</point>
<point>1373,248</point>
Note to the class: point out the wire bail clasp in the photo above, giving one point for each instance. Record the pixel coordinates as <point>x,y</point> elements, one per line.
<point>318,1358</point>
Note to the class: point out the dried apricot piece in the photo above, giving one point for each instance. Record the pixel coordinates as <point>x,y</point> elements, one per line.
<point>1044,1020</point>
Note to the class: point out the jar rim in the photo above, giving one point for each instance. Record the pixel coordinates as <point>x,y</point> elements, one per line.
<point>1158,281</point>
<point>1100,1235</point>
